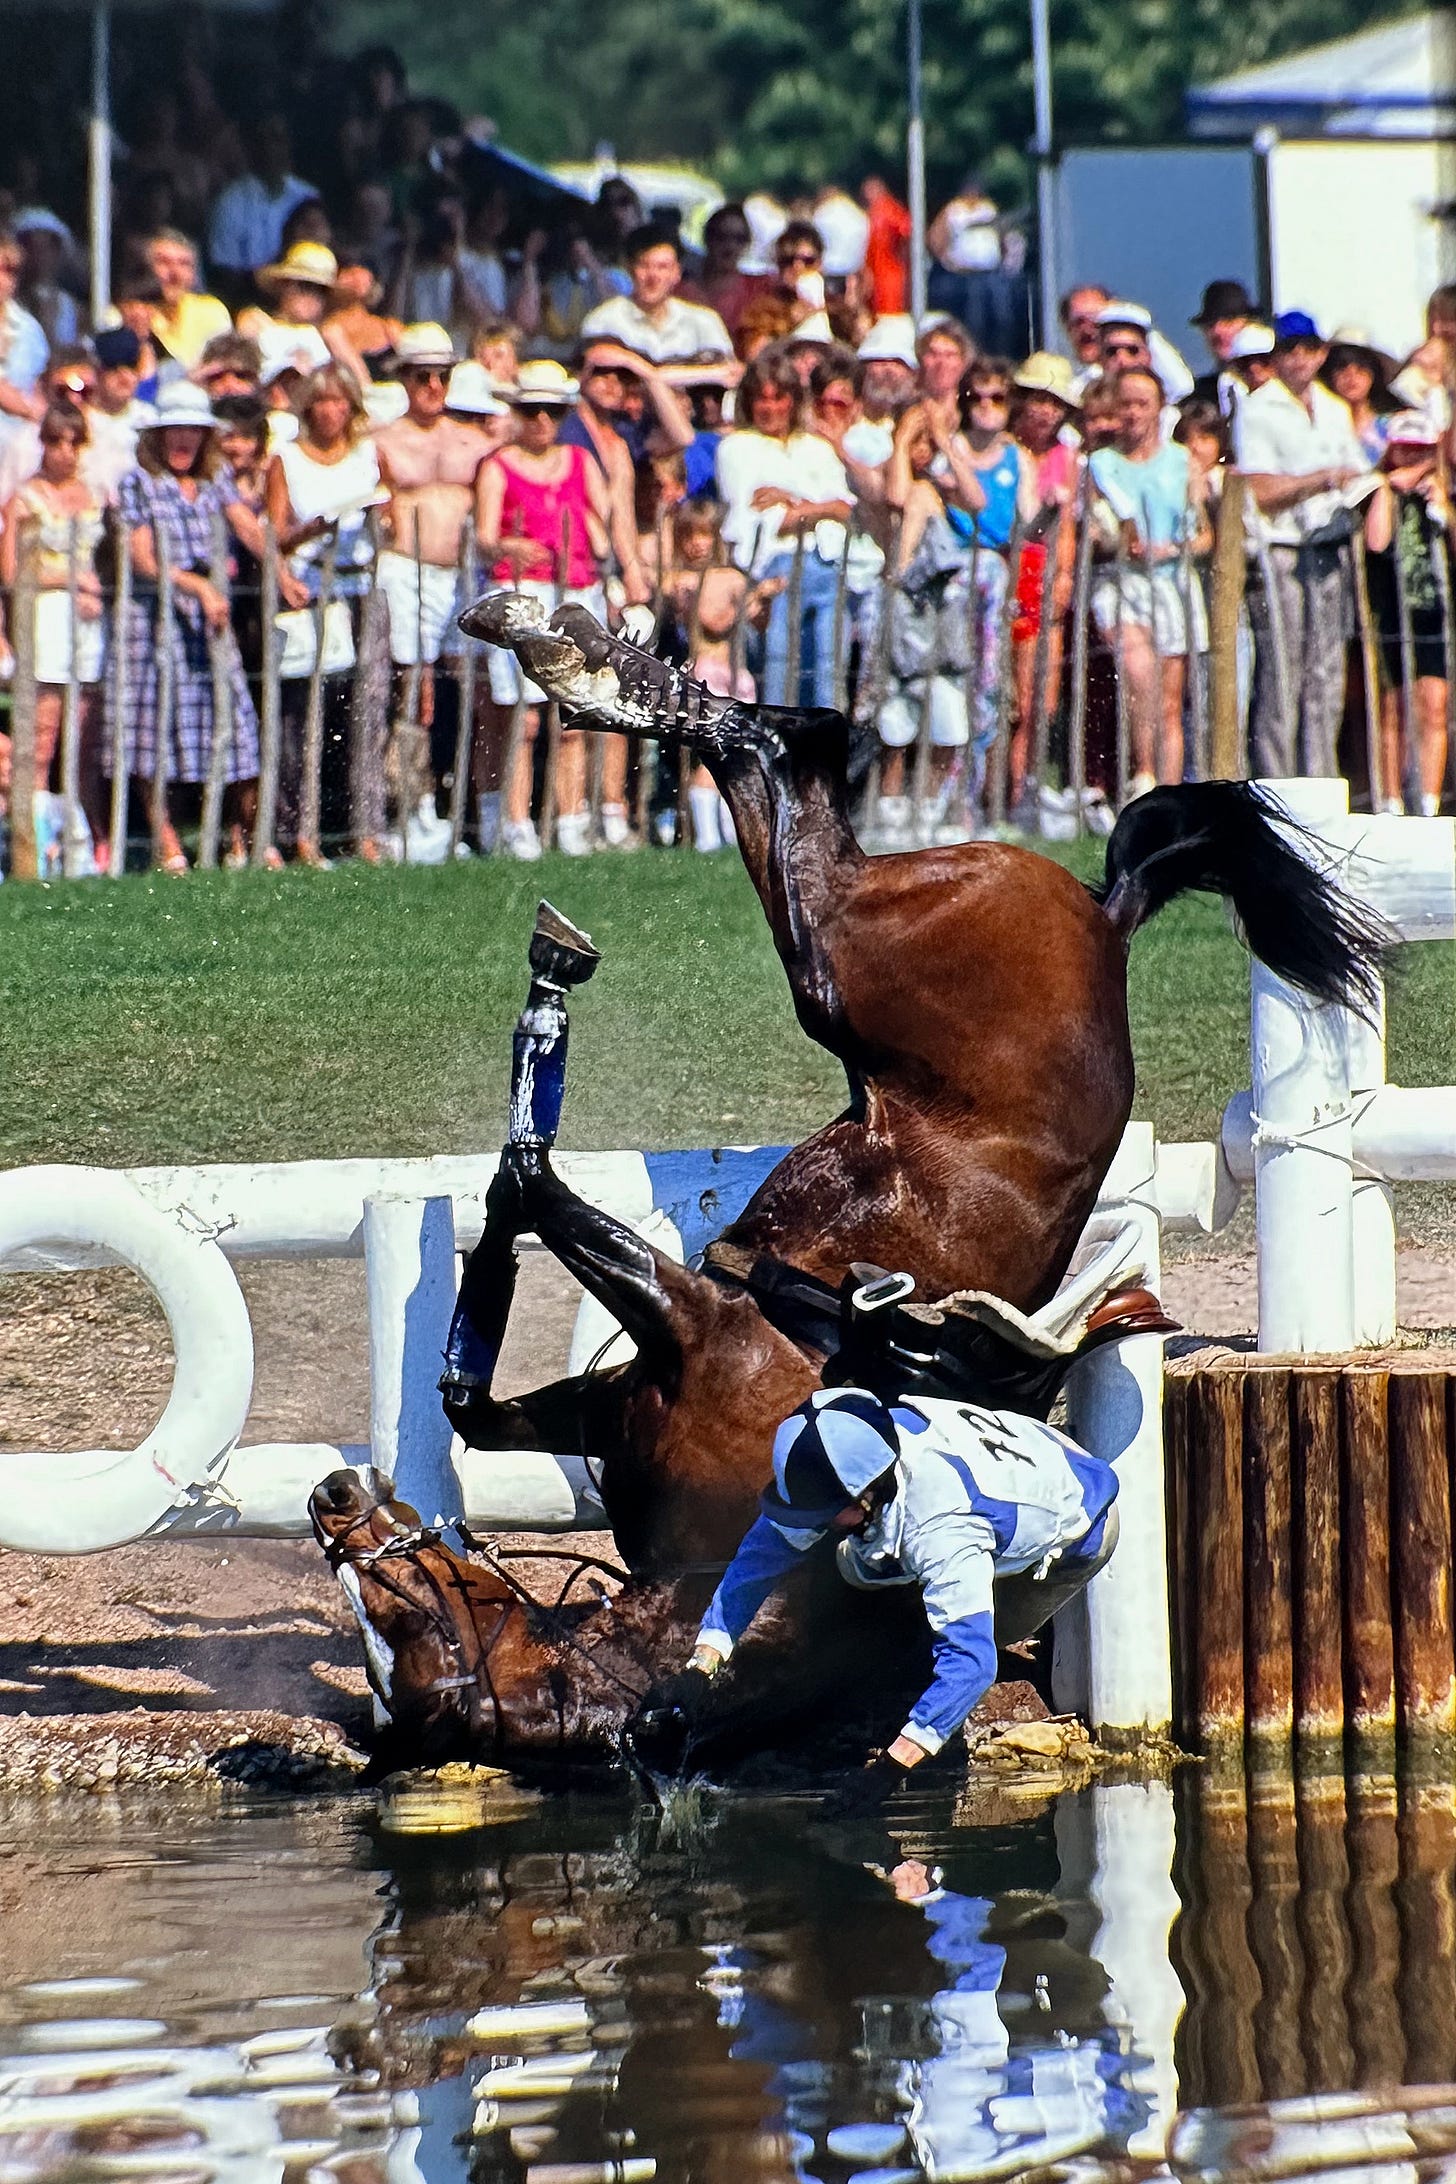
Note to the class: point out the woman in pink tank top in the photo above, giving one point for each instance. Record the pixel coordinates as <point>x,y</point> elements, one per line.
<point>543,519</point>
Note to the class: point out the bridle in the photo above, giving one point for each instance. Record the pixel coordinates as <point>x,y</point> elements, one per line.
<point>473,1661</point>
<point>448,1627</point>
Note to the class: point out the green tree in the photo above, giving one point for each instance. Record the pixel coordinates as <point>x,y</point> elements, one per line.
<point>765,92</point>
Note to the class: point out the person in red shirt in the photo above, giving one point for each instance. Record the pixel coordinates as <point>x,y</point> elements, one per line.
<point>887,253</point>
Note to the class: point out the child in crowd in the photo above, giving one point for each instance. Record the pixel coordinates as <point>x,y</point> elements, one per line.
<point>707,601</point>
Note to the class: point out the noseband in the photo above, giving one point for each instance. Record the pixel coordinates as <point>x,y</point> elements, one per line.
<point>449,1595</point>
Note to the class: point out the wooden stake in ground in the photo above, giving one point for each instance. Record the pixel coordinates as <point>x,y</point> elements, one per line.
<point>841,603</point>
<point>369,713</point>
<point>465,725</point>
<point>73,826</point>
<point>1080,614</point>
<point>795,607</point>
<point>1410,759</point>
<point>1441,562</point>
<point>1226,747</point>
<point>24,859</point>
<point>1041,665</point>
<point>975,661</point>
<point>996,757</point>
<point>1369,670</point>
<point>1119,660</point>
<point>220,646</point>
<point>120,698</point>
<point>310,785</point>
<point>1188,585</point>
<point>166,689</point>
<point>265,825</point>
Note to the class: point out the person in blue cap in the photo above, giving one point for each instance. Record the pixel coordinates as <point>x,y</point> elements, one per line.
<point>997,1518</point>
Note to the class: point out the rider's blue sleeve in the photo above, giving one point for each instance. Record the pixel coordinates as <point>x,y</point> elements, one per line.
<point>765,1555</point>
<point>959,1563</point>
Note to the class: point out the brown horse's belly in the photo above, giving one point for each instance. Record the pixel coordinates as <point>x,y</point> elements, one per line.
<point>987,993</point>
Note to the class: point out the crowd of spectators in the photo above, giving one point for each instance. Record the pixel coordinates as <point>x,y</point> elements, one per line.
<point>367,399</point>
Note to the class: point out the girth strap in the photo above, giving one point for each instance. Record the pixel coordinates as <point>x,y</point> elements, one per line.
<point>799,1305</point>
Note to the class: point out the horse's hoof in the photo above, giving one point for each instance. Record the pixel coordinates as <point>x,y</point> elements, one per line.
<point>503,617</point>
<point>469,1407</point>
<point>560,950</point>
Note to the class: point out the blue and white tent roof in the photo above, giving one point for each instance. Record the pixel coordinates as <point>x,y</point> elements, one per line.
<point>1395,80</point>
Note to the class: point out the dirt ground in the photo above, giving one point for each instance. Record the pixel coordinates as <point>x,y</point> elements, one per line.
<point>250,1640</point>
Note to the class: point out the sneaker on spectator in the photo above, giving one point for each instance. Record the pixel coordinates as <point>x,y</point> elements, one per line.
<point>520,840</point>
<point>573,834</point>
<point>616,831</point>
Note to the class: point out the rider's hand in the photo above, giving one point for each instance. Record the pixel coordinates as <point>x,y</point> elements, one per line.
<point>864,1793</point>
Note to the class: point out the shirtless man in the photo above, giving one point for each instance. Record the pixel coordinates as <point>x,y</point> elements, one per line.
<point>428,464</point>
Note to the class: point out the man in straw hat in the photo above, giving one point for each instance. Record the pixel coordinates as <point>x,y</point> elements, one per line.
<point>428,461</point>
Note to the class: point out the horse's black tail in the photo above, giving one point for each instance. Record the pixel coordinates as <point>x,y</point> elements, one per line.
<point>1221,837</point>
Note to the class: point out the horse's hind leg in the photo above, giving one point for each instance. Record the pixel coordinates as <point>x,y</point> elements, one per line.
<point>780,769</point>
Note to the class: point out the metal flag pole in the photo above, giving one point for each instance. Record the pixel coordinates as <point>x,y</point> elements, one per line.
<point>1041,152</point>
<point>98,160</point>
<point>915,158</point>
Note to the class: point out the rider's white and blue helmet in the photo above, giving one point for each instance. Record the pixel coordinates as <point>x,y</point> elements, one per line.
<point>826,1453</point>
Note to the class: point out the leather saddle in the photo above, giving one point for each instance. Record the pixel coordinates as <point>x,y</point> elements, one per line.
<point>970,1347</point>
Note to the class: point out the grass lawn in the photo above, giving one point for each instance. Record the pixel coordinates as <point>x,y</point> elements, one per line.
<point>283,1016</point>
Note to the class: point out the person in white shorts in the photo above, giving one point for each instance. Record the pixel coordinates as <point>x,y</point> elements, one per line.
<point>428,461</point>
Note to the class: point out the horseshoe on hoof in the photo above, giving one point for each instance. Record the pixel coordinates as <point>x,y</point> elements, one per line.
<point>503,616</point>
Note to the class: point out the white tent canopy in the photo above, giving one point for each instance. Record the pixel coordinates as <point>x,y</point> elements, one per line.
<point>1395,80</point>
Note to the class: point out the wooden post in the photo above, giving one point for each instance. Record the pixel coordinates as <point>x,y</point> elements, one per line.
<point>1081,613</point>
<point>1268,1633</point>
<point>1420,1528</point>
<point>369,719</point>
<point>465,725</point>
<point>24,857</point>
<point>1178,1489</point>
<point>166,688</point>
<point>310,785</point>
<point>73,826</point>
<point>1319,1698</point>
<point>1215,1434</point>
<point>1219,2030</point>
<point>1226,743</point>
<point>975,660</point>
<point>1410,742</point>
<point>1189,585</point>
<point>1370,673</point>
<point>1365,1552</point>
<point>996,761</point>
<point>120,700</point>
<point>1123,771</point>
<point>1041,664</point>
<point>269,730</point>
<point>795,610</point>
<point>841,603</point>
<point>219,660</point>
<point>553,760</point>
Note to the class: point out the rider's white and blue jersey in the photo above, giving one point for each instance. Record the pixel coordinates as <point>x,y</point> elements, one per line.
<point>979,1494</point>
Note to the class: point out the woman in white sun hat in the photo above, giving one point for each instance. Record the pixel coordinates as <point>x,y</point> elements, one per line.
<point>169,504</point>
<point>544,517</point>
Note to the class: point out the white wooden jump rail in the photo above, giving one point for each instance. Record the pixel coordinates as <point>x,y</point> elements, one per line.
<point>1321,1136</point>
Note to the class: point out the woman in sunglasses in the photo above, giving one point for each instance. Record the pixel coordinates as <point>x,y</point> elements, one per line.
<point>544,514</point>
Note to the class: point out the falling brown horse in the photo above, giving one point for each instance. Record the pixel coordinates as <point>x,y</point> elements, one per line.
<point>976,997</point>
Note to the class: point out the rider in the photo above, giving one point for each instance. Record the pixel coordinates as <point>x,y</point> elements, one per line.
<point>938,1494</point>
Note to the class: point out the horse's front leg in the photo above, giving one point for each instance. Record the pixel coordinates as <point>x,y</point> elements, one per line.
<point>560,957</point>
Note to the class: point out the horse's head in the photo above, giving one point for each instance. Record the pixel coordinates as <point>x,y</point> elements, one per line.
<point>354,1511</point>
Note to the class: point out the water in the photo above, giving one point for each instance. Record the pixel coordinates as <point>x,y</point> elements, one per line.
<point>265,1989</point>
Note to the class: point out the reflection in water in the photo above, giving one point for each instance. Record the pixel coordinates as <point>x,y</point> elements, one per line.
<point>1318,1944</point>
<point>271,1991</point>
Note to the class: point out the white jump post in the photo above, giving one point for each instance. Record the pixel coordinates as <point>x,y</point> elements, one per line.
<point>409,1262</point>
<point>1322,1133</point>
<point>1112,1659</point>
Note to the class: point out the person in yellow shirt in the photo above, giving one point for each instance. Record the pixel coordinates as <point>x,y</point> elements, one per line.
<point>183,322</point>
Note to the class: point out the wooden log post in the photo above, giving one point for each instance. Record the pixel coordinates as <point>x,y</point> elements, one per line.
<point>1371,1996</point>
<point>1319,1697</point>
<point>1215,1441</point>
<point>1365,1553</point>
<point>1268,1623</point>
<point>1426,1849</point>
<point>24,854</point>
<point>1226,735</point>
<point>1274,1935</point>
<point>1420,1533</point>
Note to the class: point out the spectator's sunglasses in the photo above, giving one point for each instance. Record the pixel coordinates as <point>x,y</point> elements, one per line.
<point>1122,348</point>
<point>535,409</point>
<point>798,257</point>
<point>425,374</point>
<point>1001,396</point>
